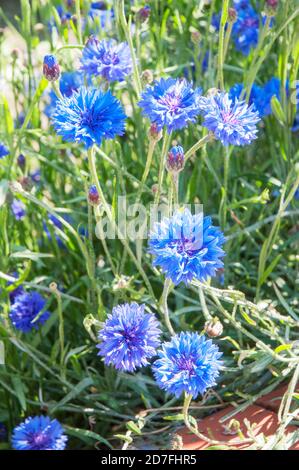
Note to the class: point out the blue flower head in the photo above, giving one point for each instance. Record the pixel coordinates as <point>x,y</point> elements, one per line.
<point>129,337</point>
<point>27,311</point>
<point>232,122</point>
<point>170,102</point>
<point>3,150</point>
<point>246,27</point>
<point>89,116</point>
<point>39,433</point>
<point>188,363</point>
<point>68,83</point>
<point>108,59</point>
<point>187,246</point>
<point>18,209</point>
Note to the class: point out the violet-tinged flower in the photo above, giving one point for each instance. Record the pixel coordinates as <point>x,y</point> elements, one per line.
<point>39,433</point>
<point>170,102</point>
<point>175,159</point>
<point>187,247</point>
<point>232,122</point>
<point>89,116</point>
<point>68,83</point>
<point>27,312</point>
<point>188,363</point>
<point>129,337</point>
<point>93,195</point>
<point>3,150</point>
<point>246,27</point>
<point>143,13</point>
<point>108,59</point>
<point>51,69</point>
<point>18,209</point>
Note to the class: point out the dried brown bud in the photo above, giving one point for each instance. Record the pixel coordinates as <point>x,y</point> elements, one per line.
<point>213,328</point>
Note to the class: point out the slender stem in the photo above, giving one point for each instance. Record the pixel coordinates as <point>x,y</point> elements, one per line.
<point>149,158</point>
<point>56,89</point>
<point>223,20</point>
<point>200,143</point>
<point>79,21</point>
<point>93,171</point>
<point>103,240</point>
<point>165,146</point>
<point>164,306</point>
<point>194,430</point>
<point>127,30</point>
<point>227,38</point>
<point>56,292</point>
<point>225,186</point>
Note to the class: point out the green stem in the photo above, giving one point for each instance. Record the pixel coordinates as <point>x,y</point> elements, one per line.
<point>93,172</point>
<point>164,306</point>
<point>200,143</point>
<point>223,21</point>
<point>56,292</point>
<point>79,21</point>
<point>165,147</point>
<point>149,158</point>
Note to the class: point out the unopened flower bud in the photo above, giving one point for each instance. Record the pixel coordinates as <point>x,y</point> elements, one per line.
<point>21,160</point>
<point>74,19</point>
<point>93,195</point>
<point>143,13</point>
<point>213,328</point>
<point>232,15</point>
<point>154,188</point>
<point>175,159</point>
<point>271,7</point>
<point>51,69</point>
<point>147,77</point>
<point>15,54</point>
<point>154,133</point>
<point>195,36</point>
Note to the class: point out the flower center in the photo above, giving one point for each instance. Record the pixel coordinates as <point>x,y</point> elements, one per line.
<point>186,364</point>
<point>39,440</point>
<point>110,58</point>
<point>172,102</point>
<point>229,118</point>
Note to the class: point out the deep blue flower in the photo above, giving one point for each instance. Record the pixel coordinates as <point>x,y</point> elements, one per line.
<point>26,308</point>
<point>3,150</point>
<point>108,59</point>
<point>51,69</point>
<point>39,433</point>
<point>170,102</point>
<point>187,246</point>
<point>129,337</point>
<point>89,116</point>
<point>232,122</point>
<point>188,363</point>
<point>69,82</point>
<point>246,28</point>
<point>260,96</point>
<point>18,209</point>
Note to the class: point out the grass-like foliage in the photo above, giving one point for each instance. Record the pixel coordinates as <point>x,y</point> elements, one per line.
<point>117,329</point>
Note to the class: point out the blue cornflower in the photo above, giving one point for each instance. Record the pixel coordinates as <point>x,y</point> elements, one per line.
<point>260,96</point>
<point>3,150</point>
<point>129,337</point>
<point>108,59</point>
<point>232,122</point>
<point>18,209</point>
<point>246,27</point>
<point>27,311</point>
<point>89,116</point>
<point>187,246</point>
<point>188,363</point>
<point>69,82</point>
<point>170,102</point>
<point>39,433</point>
